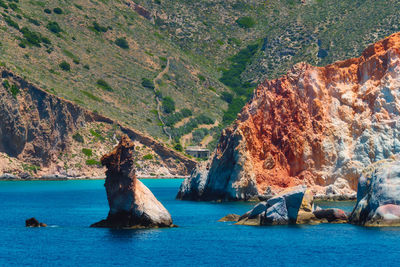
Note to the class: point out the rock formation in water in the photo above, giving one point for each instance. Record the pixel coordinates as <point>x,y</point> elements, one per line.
<point>292,206</point>
<point>33,222</point>
<point>313,126</point>
<point>282,209</point>
<point>378,195</point>
<point>132,205</point>
<point>37,128</point>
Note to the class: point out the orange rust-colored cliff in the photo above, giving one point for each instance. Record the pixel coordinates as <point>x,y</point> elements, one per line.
<point>318,126</point>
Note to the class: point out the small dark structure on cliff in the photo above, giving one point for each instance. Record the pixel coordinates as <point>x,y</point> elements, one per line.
<point>198,152</point>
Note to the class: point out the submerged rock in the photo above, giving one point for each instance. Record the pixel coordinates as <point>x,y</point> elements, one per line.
<point>317,126</point>
<point>282,209</point>
<point>132,204</point>
<point>378,196</point>
<point>230,218</point>
<point>32,222</point>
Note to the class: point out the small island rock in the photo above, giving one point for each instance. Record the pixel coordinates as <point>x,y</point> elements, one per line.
<point>132,204</point>
<point>33,222</point>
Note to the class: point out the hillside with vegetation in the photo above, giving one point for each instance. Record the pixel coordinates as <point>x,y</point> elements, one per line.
<point>179,70</point>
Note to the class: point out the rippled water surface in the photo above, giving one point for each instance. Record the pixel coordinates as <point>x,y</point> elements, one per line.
<point>69,207</point>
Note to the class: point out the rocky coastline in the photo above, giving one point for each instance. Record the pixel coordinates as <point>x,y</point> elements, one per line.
<point>315,126</point>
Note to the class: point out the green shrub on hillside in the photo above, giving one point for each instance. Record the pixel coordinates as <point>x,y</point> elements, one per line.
<point>10,22</point>
<point>148,157</point>
<point>104,85</point>
<point>178,147</point>
<point>47,11</point>
<point>147,83</point>
<point>13,6</point>
<point>78,137</point>
<point>14,90</point>
<point>64,65</point>
<point>57,10</point>
<point>122,42</point>
<point>91,96</point>
<point>93,162</point>
<point>168,104</point>
<point>98,28</point>
<point>31,37</point>
<point>54,27</point>
<point>227,97</point>
<point>246,22</point>
<point>3,5</point>
<point>88,152</point>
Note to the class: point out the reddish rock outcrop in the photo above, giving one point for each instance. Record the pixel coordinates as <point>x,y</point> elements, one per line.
<point>312,126</point>
<point>33,222</point>
<point>132,205</point>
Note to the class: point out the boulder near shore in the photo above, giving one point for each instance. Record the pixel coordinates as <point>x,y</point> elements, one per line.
<point>378,196</point>
<point>132,204</point>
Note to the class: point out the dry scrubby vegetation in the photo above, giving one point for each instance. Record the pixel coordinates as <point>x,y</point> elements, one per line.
<point>103,55</point>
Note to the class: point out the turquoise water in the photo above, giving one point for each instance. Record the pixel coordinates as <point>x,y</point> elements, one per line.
<point>69,207</point>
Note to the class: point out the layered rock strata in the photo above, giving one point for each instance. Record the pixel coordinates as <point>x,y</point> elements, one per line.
<point>132,204</point>
<point>313,126</point>
<point>37,127</point>
<point>378,196</point>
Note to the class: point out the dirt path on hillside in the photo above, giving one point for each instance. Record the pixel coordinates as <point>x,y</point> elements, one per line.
<point>158,77</point>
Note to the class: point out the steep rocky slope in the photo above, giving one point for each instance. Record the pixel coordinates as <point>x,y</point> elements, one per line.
<point>43,134</point>
<point>317,126</point>
<point>199,38</point>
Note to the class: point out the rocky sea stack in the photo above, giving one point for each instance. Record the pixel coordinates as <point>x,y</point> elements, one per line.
<point>132,204</point>
<point>315,126</point>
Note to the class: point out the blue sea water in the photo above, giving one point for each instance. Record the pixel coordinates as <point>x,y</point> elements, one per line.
<point>69,207</point>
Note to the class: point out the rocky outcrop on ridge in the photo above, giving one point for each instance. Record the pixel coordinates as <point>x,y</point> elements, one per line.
<point>313,126</point>
<point>132,205</point>
<point>378,196</point>
<point>37,127</point>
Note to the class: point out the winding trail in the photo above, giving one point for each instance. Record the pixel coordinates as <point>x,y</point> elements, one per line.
<point>158,77</point>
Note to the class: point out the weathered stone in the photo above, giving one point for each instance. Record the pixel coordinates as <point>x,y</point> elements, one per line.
<point>317,126</point>
<point>230,218</point>
<point>132,205</point>
<point>8,176</point>
<point>282,209</point>
<point>331,215</point>
<point>378,196</point>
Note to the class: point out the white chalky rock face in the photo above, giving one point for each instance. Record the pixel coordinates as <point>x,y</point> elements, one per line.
<point>378,196</point>
<point>317,126</point>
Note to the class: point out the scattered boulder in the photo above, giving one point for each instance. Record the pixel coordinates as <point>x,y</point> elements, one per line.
<point>132,204</point>
<point>32,222</point>
<point>230,218</point>
<point>282,209</point>
<point>331,215</point>
<point>378,196</point>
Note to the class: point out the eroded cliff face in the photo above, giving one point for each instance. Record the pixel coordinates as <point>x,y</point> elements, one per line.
<point>314,126</point>
<point>36,130</point>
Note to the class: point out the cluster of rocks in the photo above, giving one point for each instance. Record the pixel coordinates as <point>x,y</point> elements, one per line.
<point>296,206</point>
<point>33,222</point>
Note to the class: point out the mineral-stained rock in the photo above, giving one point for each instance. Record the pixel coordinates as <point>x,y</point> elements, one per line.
<point>312,126</point>
<point>282,209</point>
<point>132,205</point>
<point>378,196</point>
<point>32,222</point>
